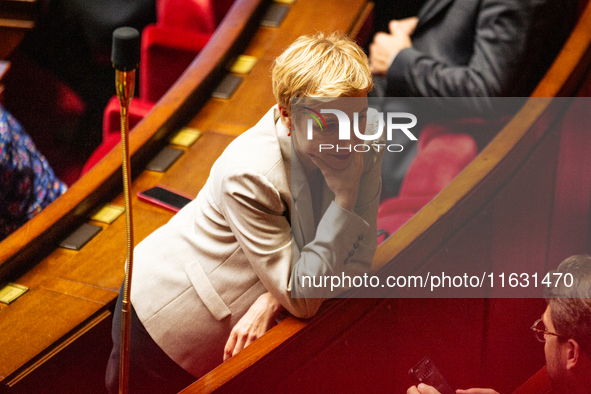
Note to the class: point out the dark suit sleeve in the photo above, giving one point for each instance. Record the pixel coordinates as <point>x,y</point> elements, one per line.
<point>500,34</point>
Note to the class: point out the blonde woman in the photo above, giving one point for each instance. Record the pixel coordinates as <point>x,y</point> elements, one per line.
<point>274,208</point>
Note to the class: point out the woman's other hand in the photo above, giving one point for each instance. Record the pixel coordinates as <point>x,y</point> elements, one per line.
<point>259,318</point>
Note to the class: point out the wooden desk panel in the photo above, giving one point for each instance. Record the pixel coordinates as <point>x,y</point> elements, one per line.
<point>38,320</point>
<point>191,171</point>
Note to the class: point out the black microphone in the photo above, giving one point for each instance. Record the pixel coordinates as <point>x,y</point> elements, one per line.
<point>125,52</point>
<point>125,56</point>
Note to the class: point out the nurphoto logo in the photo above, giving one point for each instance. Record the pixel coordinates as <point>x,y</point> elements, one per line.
<point>392,122</point>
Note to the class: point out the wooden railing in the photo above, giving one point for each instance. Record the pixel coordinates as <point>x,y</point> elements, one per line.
<point>17,17</point>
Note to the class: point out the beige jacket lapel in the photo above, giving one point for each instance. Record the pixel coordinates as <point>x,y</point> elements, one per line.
<point>302,216</point>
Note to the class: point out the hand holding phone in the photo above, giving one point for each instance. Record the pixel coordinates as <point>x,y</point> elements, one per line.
<point>425,371</point>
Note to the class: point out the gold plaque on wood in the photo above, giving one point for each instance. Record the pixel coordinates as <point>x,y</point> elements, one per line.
<point>108,213</point>
<point>186,137</point>
<point>243,64</point>
<point>11,292</point>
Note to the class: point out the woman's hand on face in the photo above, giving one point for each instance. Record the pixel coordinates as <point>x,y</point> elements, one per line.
<point>259,318</point>
<point>344,183</point>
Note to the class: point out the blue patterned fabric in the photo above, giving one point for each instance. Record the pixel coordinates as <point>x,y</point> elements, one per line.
<point>27,182</point>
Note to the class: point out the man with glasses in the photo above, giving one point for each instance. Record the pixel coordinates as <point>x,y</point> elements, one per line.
<point>565,330</point>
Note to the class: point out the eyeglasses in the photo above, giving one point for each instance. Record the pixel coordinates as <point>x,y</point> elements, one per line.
<point>539,330</point>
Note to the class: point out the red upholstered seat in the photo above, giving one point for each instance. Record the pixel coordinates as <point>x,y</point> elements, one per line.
<point>192,15</point>
<point>108,143</point>
<point>112,117</point>
<point>168,47</point>
<point>442,154</point>
<point>182,29</point>
<point>166,54</point>
<point>111,127</point>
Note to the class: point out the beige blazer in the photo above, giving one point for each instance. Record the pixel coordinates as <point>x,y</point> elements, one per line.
<point>196,276</point>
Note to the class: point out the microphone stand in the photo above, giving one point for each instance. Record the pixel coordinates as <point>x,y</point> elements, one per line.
<point>125,57</point>
<point>125,82</point>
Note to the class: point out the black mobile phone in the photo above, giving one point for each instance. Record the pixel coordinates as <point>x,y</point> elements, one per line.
<point>164,198</point>
<point>425,371</point>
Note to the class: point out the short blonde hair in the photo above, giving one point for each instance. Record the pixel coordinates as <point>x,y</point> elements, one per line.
<point>320,66</point>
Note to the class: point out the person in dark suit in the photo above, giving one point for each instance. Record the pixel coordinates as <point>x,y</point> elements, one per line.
<point>468,48</point>
<point>471,49</point>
